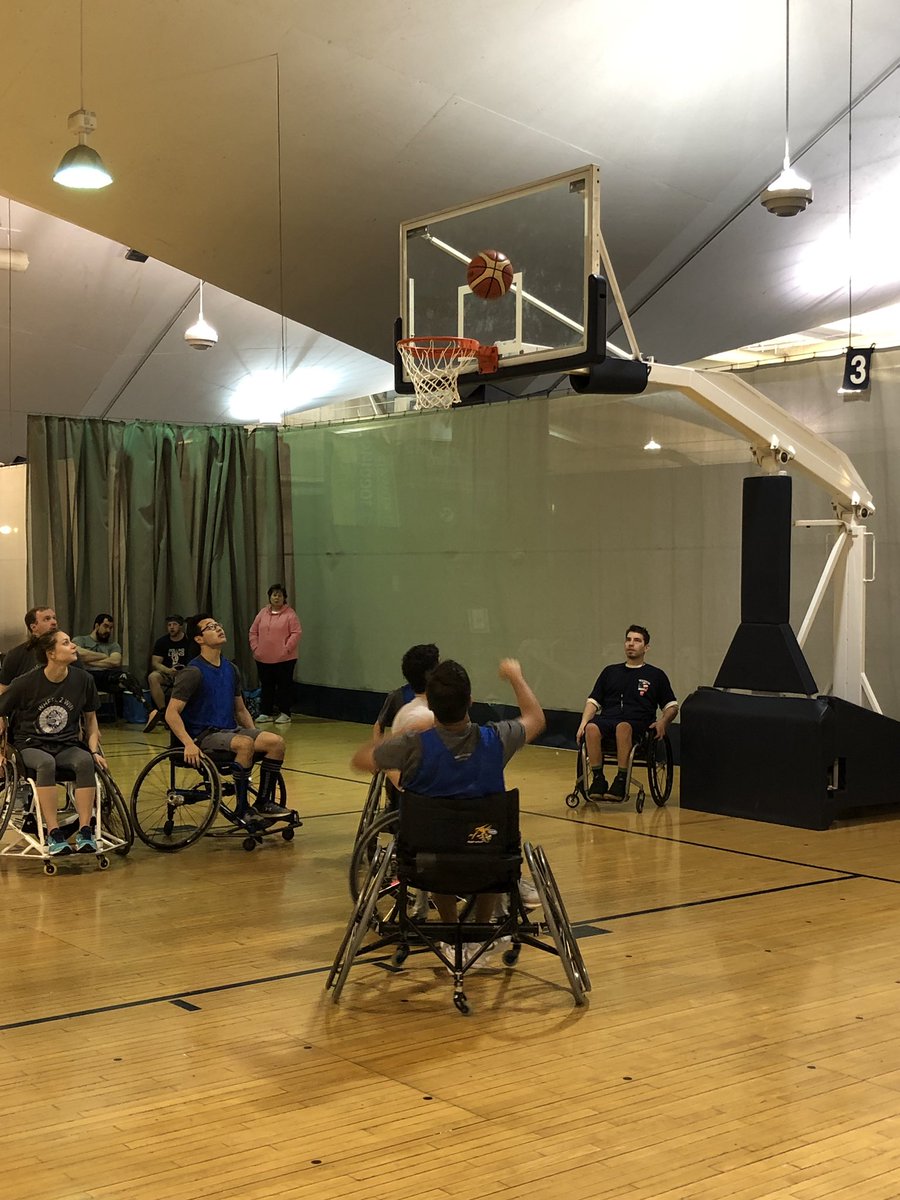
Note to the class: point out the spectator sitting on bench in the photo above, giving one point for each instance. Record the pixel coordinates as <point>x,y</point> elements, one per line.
<point>171,653</point>
<point>102,657</point>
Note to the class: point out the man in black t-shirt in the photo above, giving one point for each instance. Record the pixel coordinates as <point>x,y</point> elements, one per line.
<point>22,659</point>
<point>623,704</point>
<point>171,653</point>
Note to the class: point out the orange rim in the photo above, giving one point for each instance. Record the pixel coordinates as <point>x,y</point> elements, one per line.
<point>440,346</point>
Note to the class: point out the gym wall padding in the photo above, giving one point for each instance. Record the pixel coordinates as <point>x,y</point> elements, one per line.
<point>538,528</point>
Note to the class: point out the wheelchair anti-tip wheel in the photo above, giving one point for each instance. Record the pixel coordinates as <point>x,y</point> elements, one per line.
<point>462,1004</point>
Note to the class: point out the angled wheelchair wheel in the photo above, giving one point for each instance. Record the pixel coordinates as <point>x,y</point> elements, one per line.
<point>660,769</point>
<point>361,919</point>
<point>173,804</point>
<point>557,921</point>
<point>373,806</point>
<point>8,784</point>
<point>114,818</point>
<point>378,834</point>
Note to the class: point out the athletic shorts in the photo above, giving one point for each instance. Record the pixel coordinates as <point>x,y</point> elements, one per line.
<point>607,727</point>
<point>221,739</point>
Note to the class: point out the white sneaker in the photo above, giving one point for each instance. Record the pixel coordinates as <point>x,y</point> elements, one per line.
<point>283,719</point>
<point>419,910</point>
<point>470,949</point>
<point>528,894</point>
<point>263,719</point>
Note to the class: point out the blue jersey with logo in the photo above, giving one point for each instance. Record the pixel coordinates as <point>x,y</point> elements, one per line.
<point>440,774</point>
<point>212,704</point>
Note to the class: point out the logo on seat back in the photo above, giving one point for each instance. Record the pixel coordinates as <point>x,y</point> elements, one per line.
<point>481,834</point>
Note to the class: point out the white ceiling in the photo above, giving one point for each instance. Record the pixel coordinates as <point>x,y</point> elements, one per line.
<point>394,108</point>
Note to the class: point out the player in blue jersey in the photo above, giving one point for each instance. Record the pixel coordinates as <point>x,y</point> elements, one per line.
<point>207,713</point>
<point>457,757</point>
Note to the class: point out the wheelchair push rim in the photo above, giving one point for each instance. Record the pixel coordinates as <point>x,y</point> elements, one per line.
<point>173,804</point>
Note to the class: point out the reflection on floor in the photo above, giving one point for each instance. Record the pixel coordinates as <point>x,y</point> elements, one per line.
<point>165,1032</point>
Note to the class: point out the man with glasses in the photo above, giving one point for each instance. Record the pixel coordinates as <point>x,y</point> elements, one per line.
<point>207,713</point>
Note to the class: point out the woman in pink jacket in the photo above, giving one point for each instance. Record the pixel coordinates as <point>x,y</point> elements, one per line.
<point>274,638</point>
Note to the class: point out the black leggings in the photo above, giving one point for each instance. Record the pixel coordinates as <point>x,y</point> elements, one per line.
<point>276,681</point>
<point>45,762</point>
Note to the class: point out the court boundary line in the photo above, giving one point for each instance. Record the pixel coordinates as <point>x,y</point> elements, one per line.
<point>180,999</point>
<point>662,837</point>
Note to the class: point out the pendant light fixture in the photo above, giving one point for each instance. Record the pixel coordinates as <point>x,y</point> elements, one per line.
<point>789,194</point>
<point>201,335</point>
<point>82,167</point>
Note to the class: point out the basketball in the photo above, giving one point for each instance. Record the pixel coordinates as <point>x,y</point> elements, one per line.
<point>490,274</point>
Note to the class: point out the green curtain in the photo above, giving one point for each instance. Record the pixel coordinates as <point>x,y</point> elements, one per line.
<point>143,519</point>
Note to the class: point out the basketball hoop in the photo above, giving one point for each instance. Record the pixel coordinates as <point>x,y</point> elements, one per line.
<point>433,365</point>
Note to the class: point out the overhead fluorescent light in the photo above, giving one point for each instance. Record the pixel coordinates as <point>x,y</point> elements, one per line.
<point>13,260</point>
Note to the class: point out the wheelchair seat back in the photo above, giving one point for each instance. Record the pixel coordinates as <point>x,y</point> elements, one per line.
<point>462,845</point>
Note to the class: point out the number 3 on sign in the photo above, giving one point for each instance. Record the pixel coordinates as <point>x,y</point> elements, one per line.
<point>857,368</point>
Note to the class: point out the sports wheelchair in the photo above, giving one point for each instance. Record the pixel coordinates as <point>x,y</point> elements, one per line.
<point>648,751</point>
<point>465,847</point>
<point>174,804</point>
<point>20,811</point>
<point>377,821</point>
<point>381,799</point>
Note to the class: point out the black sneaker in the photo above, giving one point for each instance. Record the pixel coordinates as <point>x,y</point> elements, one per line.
<point>270,810</point>
<point>152,720</point>
<point>617,789</point>
<point>597,790</point>
<point>85,842</point>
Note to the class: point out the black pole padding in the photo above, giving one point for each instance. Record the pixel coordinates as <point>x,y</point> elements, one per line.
<point>766,549</point>
<point>401,386</point>
<point>613,377</point>
<point>595,324</point>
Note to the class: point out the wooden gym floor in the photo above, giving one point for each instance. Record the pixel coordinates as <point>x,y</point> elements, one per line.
<point>164,1034</point>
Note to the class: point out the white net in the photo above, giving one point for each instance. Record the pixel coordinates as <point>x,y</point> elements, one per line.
<point>433,365</point>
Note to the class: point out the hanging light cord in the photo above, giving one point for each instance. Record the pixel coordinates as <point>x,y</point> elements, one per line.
<point>280,217</point>
<point>850,182</point>
<point>787,81</point>
<point>82,54</point>
<point>9,336</point>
